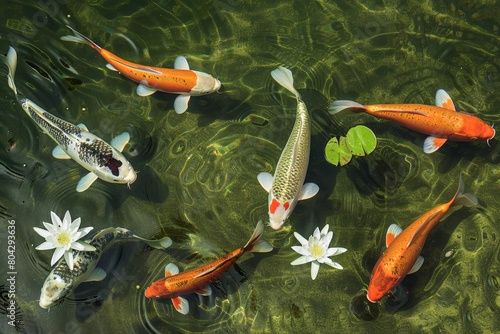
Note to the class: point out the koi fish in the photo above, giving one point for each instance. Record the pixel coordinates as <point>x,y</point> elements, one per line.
<point>402,255</point>
<point>104,161</point>
<point>287,186</point>
<point>180,80</point>
<point>199,279</point>
<point>61,281</point>
<point>441,122</point>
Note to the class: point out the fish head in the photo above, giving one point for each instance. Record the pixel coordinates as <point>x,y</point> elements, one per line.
<point>55,288</point>
<point>205,84</point>
<point>129,174</point>
<point>158,290</point>
<point>381,282</point>
<point>279,212</point>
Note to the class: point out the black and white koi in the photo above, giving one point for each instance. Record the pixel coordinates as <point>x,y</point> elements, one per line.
<point>61,281</point>
<point>102,160</point>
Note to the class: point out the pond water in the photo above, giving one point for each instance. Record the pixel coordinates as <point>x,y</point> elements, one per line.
<point>197,180</point>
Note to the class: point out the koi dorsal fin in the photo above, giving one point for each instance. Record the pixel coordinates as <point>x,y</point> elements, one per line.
<point>392,232</point>
<point>443,100</point>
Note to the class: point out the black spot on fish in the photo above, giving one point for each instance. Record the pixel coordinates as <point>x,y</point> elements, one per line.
<point>114,165</point>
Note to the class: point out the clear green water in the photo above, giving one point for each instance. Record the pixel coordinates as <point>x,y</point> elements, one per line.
<point>197,181</point>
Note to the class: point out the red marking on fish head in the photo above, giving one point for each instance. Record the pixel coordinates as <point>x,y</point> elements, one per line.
<point>286,205</point>
<point>273,206</point>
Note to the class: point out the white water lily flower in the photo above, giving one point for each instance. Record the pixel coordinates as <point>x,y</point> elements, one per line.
<point>316,251</point>
<point>63,236</point>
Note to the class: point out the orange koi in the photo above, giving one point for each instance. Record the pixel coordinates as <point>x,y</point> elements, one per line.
<point>402,255</point>
<point>198,279</point>
<point>179,80</point>
<point>441,122</point>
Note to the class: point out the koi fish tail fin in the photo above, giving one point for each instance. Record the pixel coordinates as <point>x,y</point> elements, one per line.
<point>79,38</point>
<point>256,244</point>
<point>467,199</point>
<point>341,105</point>
<point>284,77</point>
<point>11,61</point>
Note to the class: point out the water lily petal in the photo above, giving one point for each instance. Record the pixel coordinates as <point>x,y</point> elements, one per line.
<point>325,241</point>
<point>334,264</point>
<point>335,251</point>
<point>42,232</point>
<point>49,227</point>
<point>45,245</point>
<point>316,233</point>
<point>77,246</point>
<point>324,231</point>
<point>66,220</point>
<point>85,231</point>
<point>58,253</point>
<point>56,221</point>
<point>75,225</point>
<point>301,260</point>
<point>314,269</point>
<point>301,250</point>
<point>301,239</point>
<point>86,247</point>
<point>68,256</point>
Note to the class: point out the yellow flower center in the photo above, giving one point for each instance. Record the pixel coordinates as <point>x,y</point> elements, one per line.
<point>317,250</point>
<point>63,238</point>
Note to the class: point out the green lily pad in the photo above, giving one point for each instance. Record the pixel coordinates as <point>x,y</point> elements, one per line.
<point>337,152</point>
<point>361,140</point>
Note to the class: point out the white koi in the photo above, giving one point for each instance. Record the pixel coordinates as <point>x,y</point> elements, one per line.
<point>287,186</point>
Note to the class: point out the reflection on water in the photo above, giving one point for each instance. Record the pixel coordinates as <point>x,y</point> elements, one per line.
<point>197,171</point>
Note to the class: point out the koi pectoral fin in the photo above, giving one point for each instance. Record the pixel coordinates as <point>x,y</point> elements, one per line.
<point>181,305</point>
<point>392,232</point>
<point>111,67</point>
<point>120,141</point>
<point>432,144</point>
<point>143,90</point>
<point>206,291</point>
<point>59,153</point>
<point>83,127</point>
<point>266,180</point>
<point>181,103</point>
<point>308,190</point>
<point>417,265</point>
<point>171,270</point>
<point>85,182</point>
<point>97,275</point>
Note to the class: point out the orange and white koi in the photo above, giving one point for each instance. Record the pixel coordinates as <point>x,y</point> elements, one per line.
<point>287,186</point>
<point>198,279</point>
<point>179,80</point>
<point>441,122</point>
<point>402,255</point>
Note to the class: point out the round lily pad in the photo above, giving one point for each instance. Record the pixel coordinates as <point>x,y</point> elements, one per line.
<point>361,140</point>
<point>337,152</point>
